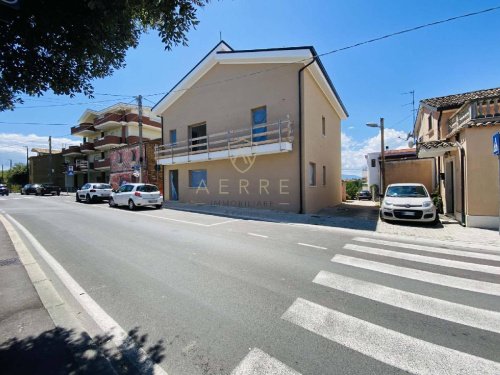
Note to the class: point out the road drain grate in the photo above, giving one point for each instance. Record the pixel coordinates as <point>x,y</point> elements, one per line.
<point>9,262</point>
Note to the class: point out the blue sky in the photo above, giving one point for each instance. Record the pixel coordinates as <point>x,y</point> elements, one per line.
<point>455,57</point>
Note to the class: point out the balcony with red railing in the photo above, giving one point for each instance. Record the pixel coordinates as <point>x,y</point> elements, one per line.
<point>72,151</point>
<point>107,142</point>
<point>102,164</point>
<point>87,147</point>
<point>83,130</point>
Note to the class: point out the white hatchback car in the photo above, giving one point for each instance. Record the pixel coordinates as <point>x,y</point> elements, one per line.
<point>408,202</point>
<point>94,192</point>
<point>136,195</point>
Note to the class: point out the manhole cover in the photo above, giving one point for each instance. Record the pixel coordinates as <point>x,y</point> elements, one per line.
<point>8,262</point>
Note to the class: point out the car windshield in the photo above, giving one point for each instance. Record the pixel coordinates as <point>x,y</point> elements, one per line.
<point>413,191</point>
<point>147,188</point>
<point>103,186</point>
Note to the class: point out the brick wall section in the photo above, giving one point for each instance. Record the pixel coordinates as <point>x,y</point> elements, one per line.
<point>39,169</point>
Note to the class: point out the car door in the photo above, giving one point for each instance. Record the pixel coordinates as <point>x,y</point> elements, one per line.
<point>83,191</point>
<point>121,197</point>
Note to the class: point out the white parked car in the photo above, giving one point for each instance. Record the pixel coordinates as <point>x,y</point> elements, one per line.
<point>408,202</point>
<point>136,195</point>
<point>94,192</point>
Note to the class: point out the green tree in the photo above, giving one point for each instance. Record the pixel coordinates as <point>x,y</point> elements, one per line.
<point>17,175</point>
<point>352,188</point>
<point>63,46</point>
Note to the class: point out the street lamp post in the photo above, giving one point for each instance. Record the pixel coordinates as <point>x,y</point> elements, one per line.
<point>382,154</point>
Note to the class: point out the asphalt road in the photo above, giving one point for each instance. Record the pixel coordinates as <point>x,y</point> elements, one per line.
<point>246,297</point>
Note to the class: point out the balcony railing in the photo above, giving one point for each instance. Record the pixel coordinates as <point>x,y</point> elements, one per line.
<point>475,110</point>
<point>261,139</point>
<point>102,164</point>
<point>83,128</point>
<point>72,151</point>
<point>108,141</point>
<point>87,147</point>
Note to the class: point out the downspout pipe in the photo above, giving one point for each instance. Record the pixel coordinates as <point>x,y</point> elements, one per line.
<point>462,181</point>
<point>301,178</point>
<point>439,157</point>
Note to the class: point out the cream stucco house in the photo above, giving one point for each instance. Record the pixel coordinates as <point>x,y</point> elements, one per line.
<point>253,128</point>
<point>457,131</point>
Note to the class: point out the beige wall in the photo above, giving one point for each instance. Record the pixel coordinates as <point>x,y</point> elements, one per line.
<point>229,106</point>
<point>481,171</point>
<point>410,171</point>
<point>323,150</point>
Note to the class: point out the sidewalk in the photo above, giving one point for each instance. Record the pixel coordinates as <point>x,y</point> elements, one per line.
<point>30,342</point>
<point>360,216</point>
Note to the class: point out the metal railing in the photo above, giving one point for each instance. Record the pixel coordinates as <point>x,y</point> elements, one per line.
<point>274,133</point>
<point>475,110</point>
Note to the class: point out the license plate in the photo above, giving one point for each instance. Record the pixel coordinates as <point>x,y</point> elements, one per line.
<point>407,213</point>
<point>152,201</point>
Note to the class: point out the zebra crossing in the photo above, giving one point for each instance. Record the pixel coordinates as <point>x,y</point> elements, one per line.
<point>397,349</point>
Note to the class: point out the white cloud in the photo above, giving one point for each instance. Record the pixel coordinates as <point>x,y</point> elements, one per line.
<point>13,145</point>
<point>353,152</point>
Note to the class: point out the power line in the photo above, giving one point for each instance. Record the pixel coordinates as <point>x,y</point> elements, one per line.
<point>70,104</point>
<point>33,123</point>
<point>405,31</point>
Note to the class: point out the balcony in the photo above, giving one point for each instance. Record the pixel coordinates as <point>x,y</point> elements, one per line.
<point>107,142</point>
<point>87,148</point>
<point>476,111</point>
<point>82,166</point>
<point>72,151</point>
<point>132,139</point>
<point>83,130</point>
<point>259,140</point>
<point>109,121</point>
<point>103,164</point>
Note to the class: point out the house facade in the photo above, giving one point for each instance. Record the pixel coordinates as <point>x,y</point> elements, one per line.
<point>46,167</point>
<point>457,131</point>
<point>102,132</point>
<point>253,128</point>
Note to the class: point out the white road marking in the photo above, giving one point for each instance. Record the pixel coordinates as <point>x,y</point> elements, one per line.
<point>425,259</point>
<point>453,312</point>
<point>223,222</point>
<point>419,275</point>
<point>257,235</point>
<point>430,249</point>
<point>101,318</point>
<point>258,362</point>
<point>385,345</point>
<point>314,246</point>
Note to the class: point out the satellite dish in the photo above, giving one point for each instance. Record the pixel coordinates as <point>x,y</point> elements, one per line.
<point>411,143</point>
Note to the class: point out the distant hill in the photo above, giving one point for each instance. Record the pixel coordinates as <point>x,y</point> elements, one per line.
<point>350,177</point>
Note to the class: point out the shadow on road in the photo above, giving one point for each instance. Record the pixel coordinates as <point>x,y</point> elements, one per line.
<point>62,351</point>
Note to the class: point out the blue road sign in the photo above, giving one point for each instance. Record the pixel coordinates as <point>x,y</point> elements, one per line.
<point>496,144</point>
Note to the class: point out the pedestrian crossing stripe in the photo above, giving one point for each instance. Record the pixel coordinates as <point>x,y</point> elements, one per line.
<point>425,259</point>
<point>419,275</point>
<point>258,362</point>
<point>453,312</point>
<point>393,348</point>
<point>439,250</point>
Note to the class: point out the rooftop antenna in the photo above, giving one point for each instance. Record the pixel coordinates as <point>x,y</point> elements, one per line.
<point>220,36</point>
<point>412,93</point>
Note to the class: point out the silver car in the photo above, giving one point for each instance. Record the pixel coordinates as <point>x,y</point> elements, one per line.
<point>136,195</point>
<point>408,202</point>
<point>93,192</point>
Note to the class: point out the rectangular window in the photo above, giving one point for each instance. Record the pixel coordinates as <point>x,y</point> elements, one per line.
<point>374,163</point>
<point>198,178</point>
<point>323,126</point>
<point>198,136</point>
<point>324,175</point>
<point>173,136</point>
<point>259,119</point>
<point>429,120</point>
<point>312,174</point>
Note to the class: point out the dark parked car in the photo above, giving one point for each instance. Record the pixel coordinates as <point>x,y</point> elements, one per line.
<point>364,194</point>
<point>43,189</point>
<point>4,190</point>
<point>29,189</point>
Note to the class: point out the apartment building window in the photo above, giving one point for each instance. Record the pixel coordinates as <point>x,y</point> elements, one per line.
<point>312,174</point>
<point>324,175</point>
<point>429,122</point>
<point>173,136</point>
<point>374,163</point>
<point>133,155</point>
<point>197,135</point>
<point>198,178</point>
<point>259,118</point>
<point>323,126</point>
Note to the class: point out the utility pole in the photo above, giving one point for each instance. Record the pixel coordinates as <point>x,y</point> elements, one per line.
<point>50,159</point>
<point>10,164</point>
<point>27,166</point>
<point>139,120</point>
<point>2,173</point>
<point>382,156</point>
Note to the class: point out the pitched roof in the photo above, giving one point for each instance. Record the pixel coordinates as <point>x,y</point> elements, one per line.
<point>457,100</point>
<point>223,53</point>
<point>45,151</point>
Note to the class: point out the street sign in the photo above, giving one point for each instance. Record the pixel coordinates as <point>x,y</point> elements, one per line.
<point>70,170</point>
<point>496,144</point>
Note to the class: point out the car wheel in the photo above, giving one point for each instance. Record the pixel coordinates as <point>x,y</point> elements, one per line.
<point>22,192</point>
<point>77,197</point>
<point>131,205</point>
<point>87,199</point>
<point>111,202</point>
<point>37,194</point>
<point>58,193</point>
<point>381,216</point>
<point>158,206</point>
<point>436,220</point>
